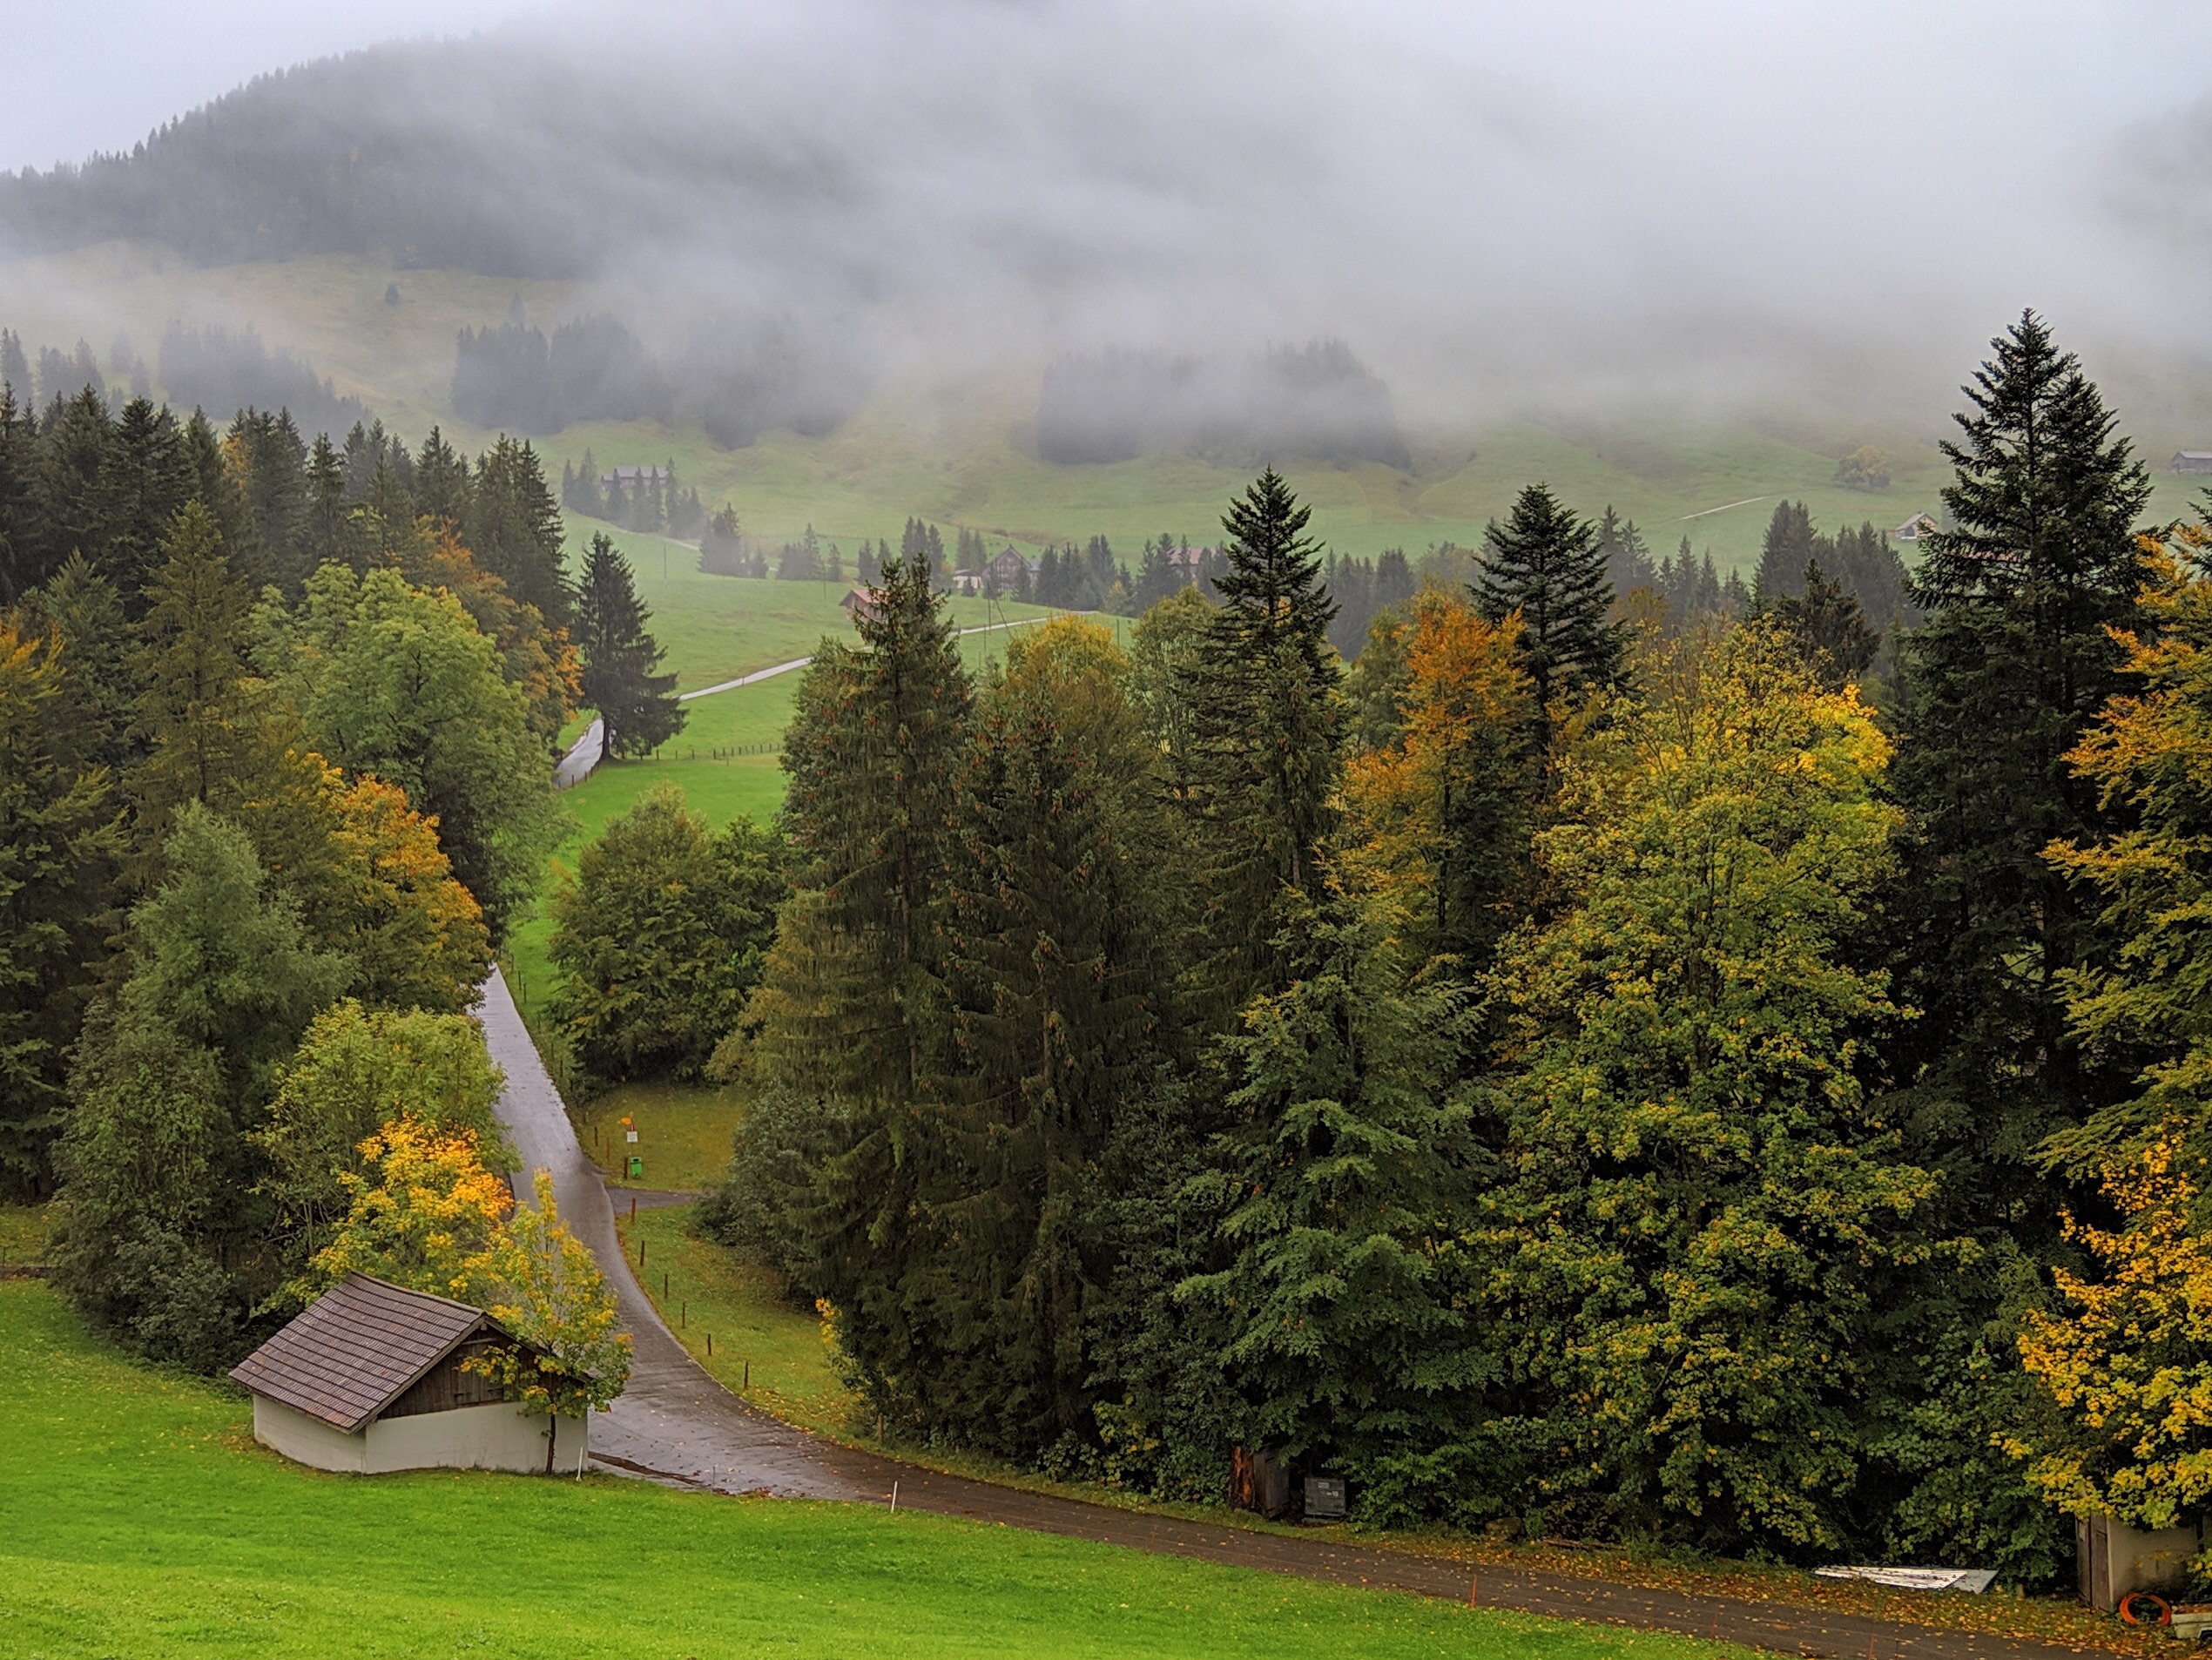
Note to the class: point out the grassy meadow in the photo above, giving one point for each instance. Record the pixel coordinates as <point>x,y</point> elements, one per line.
<point>137,1517</point>
<point>960,452</point>
<point>683,1132</point>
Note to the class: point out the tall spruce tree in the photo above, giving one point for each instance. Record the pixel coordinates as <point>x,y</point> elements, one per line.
<point>1052,899</point>
<point>874,754</point>
<point>638,706</point>
<point>1996,688</point>
<point>513,526</point>
<point>1267,725</point>
<point>1784,551</point>
<point>199,713</point>
<point>1545,563</point>
<point>2000,682</point>
<point>1829,628</point>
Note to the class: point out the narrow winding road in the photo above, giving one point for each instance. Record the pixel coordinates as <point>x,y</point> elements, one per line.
<point>677,1425</point>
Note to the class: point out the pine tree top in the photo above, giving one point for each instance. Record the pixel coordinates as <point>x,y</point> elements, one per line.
<point>1272,589</point>
<point>2045,497</point>
<point>1545,562</point>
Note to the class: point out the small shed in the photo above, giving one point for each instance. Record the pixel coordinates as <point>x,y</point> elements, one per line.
<point>2191,460</point>
<point>860,604</point>
<point>1913,530</point>
<point>369,1378</point>
<point>2114,1559</point>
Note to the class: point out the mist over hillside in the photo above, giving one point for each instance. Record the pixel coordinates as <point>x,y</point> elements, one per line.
<point>1498,212</point>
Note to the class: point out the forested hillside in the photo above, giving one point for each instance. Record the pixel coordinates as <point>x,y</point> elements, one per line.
<point>277,727</point>
<point>1583,1066</point>
<point>1582,1069</point>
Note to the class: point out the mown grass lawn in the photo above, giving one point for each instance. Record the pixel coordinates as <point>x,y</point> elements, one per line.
<point>684,1133</point>
<point>138,1518</point>
<point>764,1348</point>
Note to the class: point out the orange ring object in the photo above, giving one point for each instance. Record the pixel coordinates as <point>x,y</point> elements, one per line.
<point>2128,1608</point>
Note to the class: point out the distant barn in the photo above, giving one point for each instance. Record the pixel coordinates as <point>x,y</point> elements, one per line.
<point>2191,460</point>
<point>860,604</point>
<point>1913,530</point>
<point>371,1378</point>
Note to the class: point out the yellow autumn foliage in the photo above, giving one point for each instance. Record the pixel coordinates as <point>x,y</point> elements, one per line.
<point>2128,1361</point>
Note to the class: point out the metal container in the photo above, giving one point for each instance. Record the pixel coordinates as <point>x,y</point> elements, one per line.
<point>1325,1498</point>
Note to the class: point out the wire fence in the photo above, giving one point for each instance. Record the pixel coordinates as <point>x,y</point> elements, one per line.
<point>734,752</point>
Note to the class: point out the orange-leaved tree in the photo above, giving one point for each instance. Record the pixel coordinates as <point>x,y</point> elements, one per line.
<point>2150,758</point>
<point>425,1214</point>
<point>428,1215</point>
<point>2128,1360</point>
<point>1437,821</point>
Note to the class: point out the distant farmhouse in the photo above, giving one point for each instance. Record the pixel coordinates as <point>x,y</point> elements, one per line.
<point>1005,572</point>
<point>2191,460</point>
<point>1913,530</point>
<point>860,605</point>
<point>374,1377</point>
<point>1009,569</point>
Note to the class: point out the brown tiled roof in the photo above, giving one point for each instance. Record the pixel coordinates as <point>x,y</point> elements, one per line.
<point>358,1348</point>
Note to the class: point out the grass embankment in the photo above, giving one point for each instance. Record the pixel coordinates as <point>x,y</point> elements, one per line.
<point>764,1349</point>
<point>23,1233</point>
<point>137,1517</point>
<point>684,1133</point>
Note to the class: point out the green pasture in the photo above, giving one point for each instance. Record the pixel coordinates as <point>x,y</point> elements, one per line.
<point>960,452</point>
<point>768,1350</point>
<point>137,1517</point>
<point>684,1132</point>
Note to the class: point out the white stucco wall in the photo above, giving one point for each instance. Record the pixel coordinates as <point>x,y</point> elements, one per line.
<point>497,1437</point>
<point>308,1441</point>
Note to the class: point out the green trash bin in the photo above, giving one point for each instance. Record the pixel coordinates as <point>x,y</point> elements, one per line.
<point>637,1168</point>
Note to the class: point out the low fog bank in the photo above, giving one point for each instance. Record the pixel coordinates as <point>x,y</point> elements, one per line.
<point>1726,208</point>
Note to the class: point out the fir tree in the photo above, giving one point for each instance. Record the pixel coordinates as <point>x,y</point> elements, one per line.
<point>1264,728</point>
<point>1784,551</point>
<point>2001,682</point>
<point>1545,563</point>
<point>874,754</point>
<point>329,527</point>
<point>147,477</point>
<point>198,712</point>
<point>514,526</point>
<point>1830,629</point>
<point>442,481</point>
<point>1628,560</point>
<point>639,707</point>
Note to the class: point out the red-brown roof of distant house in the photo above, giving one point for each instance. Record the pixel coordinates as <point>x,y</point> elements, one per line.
<point>358,1348</point>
